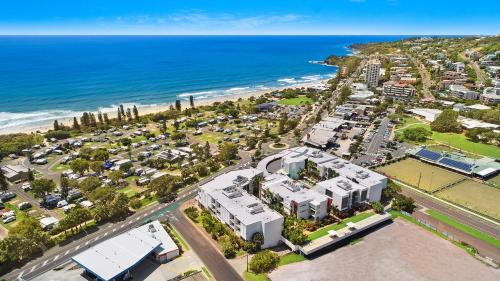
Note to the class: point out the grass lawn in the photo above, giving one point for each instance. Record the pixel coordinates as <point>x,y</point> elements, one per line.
<point>410,171</point>
<point>211,137</point>
<point>495,181</point>
<point>59,168</point>
<point>291,258</point>
<point>478,197</point>
<point>458,141</point>
<point>130,190</point>
<point>20,215</point>
<point>249,276</point>
<point>465,228</point>
<point>324,231</point>
<point>296,101</point>
<point>207,273</point>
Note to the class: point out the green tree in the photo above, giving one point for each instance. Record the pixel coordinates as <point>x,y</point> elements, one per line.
<point>377,207</point>
<point>90,184</point>
<point>163,186</point>
<point>97,166</point>
<point>191,101</point>
<point>100,155</point>
<point>403,203</point>
<point>178,106</point>
<point>4,185</point>
<point>42,187</point>
<point>228,151</point>
<point>76,126</point>
<point>79,166</point>
<point>136,113</point>
<point>115,177</point>
<point>446,122</point>
<point>264,261</point>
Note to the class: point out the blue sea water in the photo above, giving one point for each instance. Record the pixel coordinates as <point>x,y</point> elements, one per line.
<point>47,77</point>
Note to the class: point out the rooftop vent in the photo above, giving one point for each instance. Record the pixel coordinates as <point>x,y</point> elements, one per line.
<point>362,174</point>
<point>255,208</point>
<point>239,180</point>
<point>231,192</point>
<point>337,164</point>
<point>345,185</point>
<point>317,154</point>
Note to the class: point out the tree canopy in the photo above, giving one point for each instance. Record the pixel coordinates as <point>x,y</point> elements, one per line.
<point>446,122</point>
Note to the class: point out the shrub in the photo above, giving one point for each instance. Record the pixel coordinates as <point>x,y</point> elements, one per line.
<point>264,261</point>
<point>192,213</point>
<point>228,248</point>
<point>135,203</point>
<point>378,207</point>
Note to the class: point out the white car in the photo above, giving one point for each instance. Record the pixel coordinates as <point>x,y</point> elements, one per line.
<point>26,186</point>
<point>9,219</point>
<point>8,214</point>
<point>62,203</point>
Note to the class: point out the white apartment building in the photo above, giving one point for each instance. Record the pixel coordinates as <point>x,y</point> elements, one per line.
<point>245,214</point>
<point>461,92</point>
<point>344,192</point>
<point>398,91</point>
<point>294,197</point>
<point>329,166</point>
<point>372,73</point>
<point>491,95</point>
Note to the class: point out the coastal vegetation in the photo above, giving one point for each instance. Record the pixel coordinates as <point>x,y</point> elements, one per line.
<point>15,143</point>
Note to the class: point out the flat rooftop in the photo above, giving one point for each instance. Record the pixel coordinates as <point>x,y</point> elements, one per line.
<point>246,208</point>
<point>291,190</point>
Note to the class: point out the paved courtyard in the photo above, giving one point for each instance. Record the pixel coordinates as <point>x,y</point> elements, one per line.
<point>399,251</point>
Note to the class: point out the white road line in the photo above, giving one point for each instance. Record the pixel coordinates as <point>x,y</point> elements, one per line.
<point>66,252</point>
<point>114,229</point>
<point>20,274</point>
<point>77,247</point>
<point>150,212</point>
<point>136,219</point>
<point>86,243</point>
<point>144,215</point>
<point>33,268</point>
<point>45,262</point>
<point>56,257</point>
<point>122,226</point>
<point>130,222</point>
<point>105,234</point>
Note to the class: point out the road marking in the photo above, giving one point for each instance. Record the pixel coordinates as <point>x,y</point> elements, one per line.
<point>45,262</point>
<point>97,238</point>
<point>33,268</point>
<point>86,243</point>
<point>135,220</point>
<point>130,222</point>
<point>122,226</point>
<point>77,247</point>
<point>20,274</point>
<point>114,229</point>
<point>66,252</point>
<point>56,257</point>
<point>150,212</point>
<point>105,234</point>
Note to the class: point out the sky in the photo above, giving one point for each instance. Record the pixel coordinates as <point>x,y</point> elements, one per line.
<point>249,17</point>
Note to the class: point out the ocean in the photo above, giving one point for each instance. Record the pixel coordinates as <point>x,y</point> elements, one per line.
<point>43,78</point>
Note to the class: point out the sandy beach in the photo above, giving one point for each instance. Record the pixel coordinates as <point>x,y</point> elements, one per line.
<point>46,125</point>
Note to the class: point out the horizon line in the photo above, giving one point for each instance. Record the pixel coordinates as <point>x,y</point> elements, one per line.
<point>111,34</point>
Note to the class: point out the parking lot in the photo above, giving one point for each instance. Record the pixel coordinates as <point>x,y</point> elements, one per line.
<point>399,251</point>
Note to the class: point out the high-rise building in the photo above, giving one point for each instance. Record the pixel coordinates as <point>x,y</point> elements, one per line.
<point>372,73</point>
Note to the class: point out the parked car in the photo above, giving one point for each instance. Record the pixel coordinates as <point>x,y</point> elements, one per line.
<point>24,206</point>
<point>26,186</point>
<point>9,219</point>
<point>7,196</point>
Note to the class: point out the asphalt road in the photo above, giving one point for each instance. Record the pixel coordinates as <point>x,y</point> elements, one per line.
<point>61,254</point>
<point>207,252</point>
<point>461,216</point>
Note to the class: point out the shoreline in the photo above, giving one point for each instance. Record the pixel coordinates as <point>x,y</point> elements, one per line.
<point>47,125</point>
